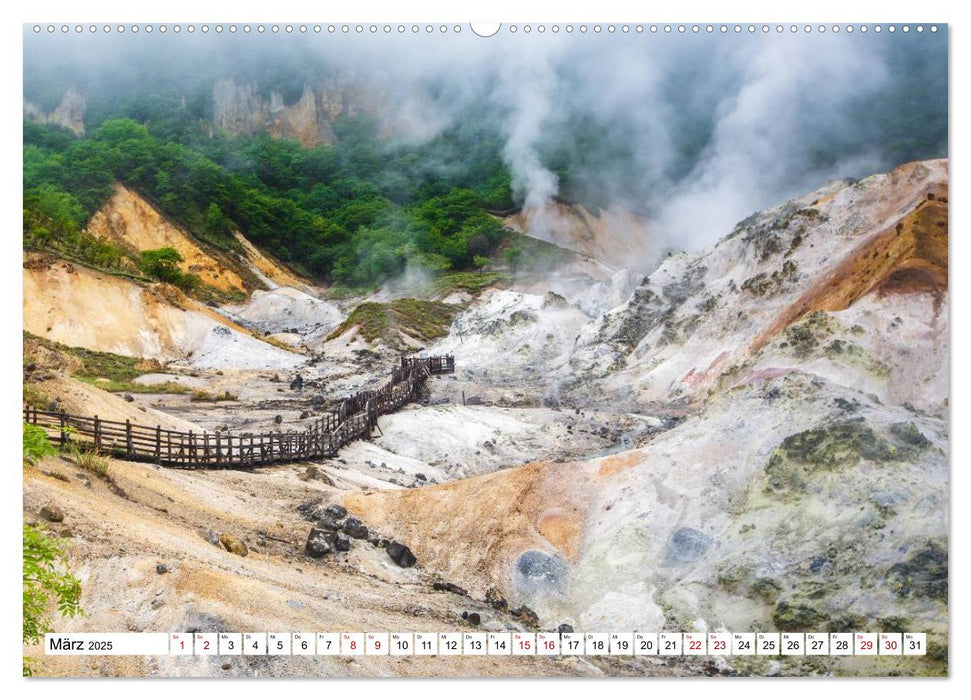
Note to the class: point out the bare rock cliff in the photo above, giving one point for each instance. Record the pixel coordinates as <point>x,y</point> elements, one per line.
<point>240,109</point>
<point>69,113</point>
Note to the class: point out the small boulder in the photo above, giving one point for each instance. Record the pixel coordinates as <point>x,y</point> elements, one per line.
<point>401,555</point>
<point>319,543</point>
<point>161,569</point>
<point>356,529</point>
<point>310,511</point>
<point>233,544</point>
<point>313,473</point>
<point>52,513</point>
<point>495,599</point>
<point>209,536</point>
<point>342,544</point>
<point>474,619</point>
<point>129,398</point>
<point>421,477</point>
<point>328,524</point>
<point>278,419</point>
<point>336,511</point>
<point>565,628</point>
<point>554,300</point>
<point>526,615</point>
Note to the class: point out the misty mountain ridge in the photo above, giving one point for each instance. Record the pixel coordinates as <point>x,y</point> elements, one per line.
<point>693,143</point>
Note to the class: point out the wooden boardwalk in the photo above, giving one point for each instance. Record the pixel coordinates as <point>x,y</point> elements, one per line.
<point>354,419</point>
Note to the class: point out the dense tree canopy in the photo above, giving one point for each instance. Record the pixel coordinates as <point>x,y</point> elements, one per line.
<point>355,213</point>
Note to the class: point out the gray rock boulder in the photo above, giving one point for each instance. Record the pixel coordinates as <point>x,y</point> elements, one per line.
<point>319,543</point>
<point>52,513</point>
<point>401,555</point>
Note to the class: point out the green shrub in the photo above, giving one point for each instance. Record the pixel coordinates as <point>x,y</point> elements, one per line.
<point>512,257</point>
<point>35,398</point>
<point>47,584</point>
<point>91,460</point>
<point>162,264</point>
<point>36,444</point>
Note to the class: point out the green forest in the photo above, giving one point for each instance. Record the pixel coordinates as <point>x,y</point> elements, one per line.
<point>353,214</point>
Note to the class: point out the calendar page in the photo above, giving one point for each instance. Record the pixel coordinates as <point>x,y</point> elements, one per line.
<point>527,349</point>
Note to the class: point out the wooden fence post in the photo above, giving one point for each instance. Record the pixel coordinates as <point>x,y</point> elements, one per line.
<point>354,417</point>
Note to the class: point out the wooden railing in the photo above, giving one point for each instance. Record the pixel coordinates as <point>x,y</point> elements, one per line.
<point>354,418</point>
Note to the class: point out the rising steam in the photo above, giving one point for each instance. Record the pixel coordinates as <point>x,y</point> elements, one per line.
<point>696,132</point>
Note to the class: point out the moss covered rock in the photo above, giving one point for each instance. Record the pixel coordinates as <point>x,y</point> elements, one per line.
<point>796,617</point>
<point>922,574</point>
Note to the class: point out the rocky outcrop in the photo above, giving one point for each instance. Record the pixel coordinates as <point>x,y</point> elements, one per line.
<point>69,113</point>
<point>240,108</point>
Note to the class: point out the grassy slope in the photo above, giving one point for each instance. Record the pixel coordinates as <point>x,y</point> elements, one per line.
<point>423,320</point>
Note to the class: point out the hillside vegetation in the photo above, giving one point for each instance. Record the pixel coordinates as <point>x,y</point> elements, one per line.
<point>415,318</point>
<point>355,214</point>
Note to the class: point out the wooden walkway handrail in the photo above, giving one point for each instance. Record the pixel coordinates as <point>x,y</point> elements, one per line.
<point>354,418</point>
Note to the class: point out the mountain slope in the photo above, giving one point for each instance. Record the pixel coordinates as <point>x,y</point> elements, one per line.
<point>699,321</point>
<point>78,306</point>
<point>804,483</point>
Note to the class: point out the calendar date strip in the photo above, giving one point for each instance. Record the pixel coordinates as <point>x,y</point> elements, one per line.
<point>776,644</point>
